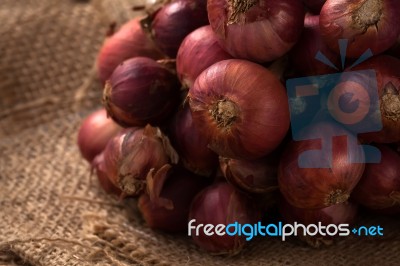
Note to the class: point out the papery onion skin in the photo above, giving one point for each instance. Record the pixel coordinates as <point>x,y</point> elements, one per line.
<point>174,21</point>
<point>191,145</point>
<point>221,204</point>
<point>314,188</point>
<point>181,187</point>
<point>379,187</point>
<point>130,156</point>
<point>199,50</point>
<point>256,176</point>
<point>302,56</point>
<point>387,70</point>
<point>128,42</point>
<point>141,91</point>
<point>241,107</point>
<point>260,31</point>
<point>98,165</point>
<point>366,24</point>
<point>344,213</point>
<point>94,133</point>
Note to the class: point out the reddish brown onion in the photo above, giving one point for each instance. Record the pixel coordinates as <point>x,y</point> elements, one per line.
<point>104,181</point>
<point>141,91</point>
<point>387,70</point>
<point>180,188</point>
<point>129,41</point>
<point>174,21</point>
<point>379,187</point>
<point>221,204</point>
<point>395,49</point>
<point>198,51</point>
<point>344,213</point>
<point>134,154</point>
<point>241,107</point>
<point>259,31</point>
<point>321,187</point>
<point>191,145</point>
<point>94,133</point>
<point>366,24</point>
<point>302,56</point>
<point>258,176</point>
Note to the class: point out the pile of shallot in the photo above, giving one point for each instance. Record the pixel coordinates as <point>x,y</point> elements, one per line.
<point>197,122</point>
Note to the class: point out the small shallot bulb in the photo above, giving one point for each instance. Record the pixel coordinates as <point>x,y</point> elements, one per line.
<point>136,154</point>
<point>174,21</point>
<point>94,133</point>
<point>104,181</point>
<point>198,51</point>
<point>129,41</point>
<point>180,187</point>
<point>221,204</point>
<point>259,31</point>
<point>344,213</point>
<point>257,176</point>
<point>191,145</point>
<point>141,91</point>
<point>379,187</point>
<point>366,24</point>
<point>321,170</point>
<point>241,107</point>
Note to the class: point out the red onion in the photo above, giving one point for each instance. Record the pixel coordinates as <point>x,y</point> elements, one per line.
<point>259,31</point>
<point>387,70</point>
<point>94,133</point>
<point>104,181</point>
<point>395,49</point>
<point>314,5</point>
<point>367,24</point>
<point>134,154</point>
<point>180,188</point>
<point>221,204</point>
<point>241,107</point>
<point>320,187</point>
<point>191,145</point>
<point>379,188</point>
<point>198,51</point>
<point>129,41</point>
<point>344,213</point>
<point>259,176</point>
<point>141,91</point>
<point>174,21</point>
<point>302,56</point>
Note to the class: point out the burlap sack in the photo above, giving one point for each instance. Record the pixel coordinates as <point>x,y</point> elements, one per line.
<point>50,212</point>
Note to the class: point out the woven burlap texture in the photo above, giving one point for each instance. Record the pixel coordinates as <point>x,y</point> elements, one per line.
<point>51,213</point>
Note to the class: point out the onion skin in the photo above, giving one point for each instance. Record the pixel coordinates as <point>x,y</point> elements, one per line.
<point>98,166</point>
<point>191,145</point>
<point>303,53</point>
<point>379,187</point>
<point>199,50</point>
<point>258,176</point>
<point>387,70</point>
<point>367,24</point>
<point>180,187</point>
<point>141,91</point>
<point>133,155</point>
<point>94,133</point>
<point>221,204</point>
<point>174,21</point>
<point>314,188</point>
<point>269,28</point>
<point>128,42</point>
<point>344,213</point>
<point>395,49</point>
<point>236,104</point>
